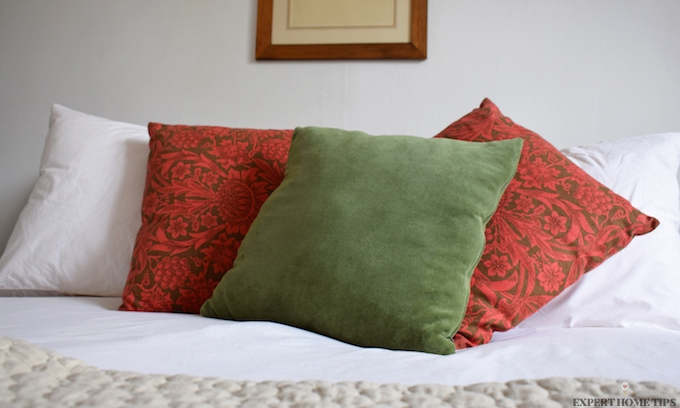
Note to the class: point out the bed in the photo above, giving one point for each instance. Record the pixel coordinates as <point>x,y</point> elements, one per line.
<point>80,327</point>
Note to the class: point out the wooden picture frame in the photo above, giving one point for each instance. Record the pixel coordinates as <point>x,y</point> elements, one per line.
<point>416,48</point>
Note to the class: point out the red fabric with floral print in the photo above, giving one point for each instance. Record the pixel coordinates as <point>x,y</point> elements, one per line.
<point>204,187</point>
<point>554,223</point>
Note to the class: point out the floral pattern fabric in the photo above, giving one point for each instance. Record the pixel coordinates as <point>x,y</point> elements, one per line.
<point>554,223</point>
<point>204,187</point>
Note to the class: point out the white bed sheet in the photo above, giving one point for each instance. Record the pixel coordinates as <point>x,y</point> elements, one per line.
<point>92,330</point>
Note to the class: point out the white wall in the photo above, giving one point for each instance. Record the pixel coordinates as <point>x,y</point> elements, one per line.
<point>574,71</point>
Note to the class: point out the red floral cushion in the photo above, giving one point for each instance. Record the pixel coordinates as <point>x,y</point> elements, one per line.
<point>204,187</point>
<point>554,223</point>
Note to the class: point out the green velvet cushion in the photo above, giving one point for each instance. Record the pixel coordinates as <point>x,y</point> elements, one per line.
<point>371,240</point>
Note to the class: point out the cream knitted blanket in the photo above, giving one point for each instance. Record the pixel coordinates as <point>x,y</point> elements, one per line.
<point>34,377</point>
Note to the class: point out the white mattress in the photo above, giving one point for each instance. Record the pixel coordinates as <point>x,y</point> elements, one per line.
<point>92,330</point>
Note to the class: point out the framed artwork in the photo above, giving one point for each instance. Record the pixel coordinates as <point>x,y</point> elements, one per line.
<point>341,29</point>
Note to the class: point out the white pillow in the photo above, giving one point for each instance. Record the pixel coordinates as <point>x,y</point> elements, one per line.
<point>76,233</point>
<point>639,286</point>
